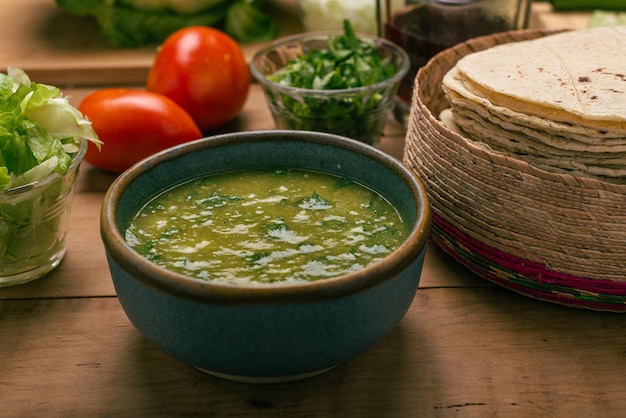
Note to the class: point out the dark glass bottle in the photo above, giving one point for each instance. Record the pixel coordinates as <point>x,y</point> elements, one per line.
<point>425,27</point>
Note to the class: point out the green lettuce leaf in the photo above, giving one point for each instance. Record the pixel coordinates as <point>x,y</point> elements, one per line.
<point>246,21</point>
<point>39,130</point>
<point>134,23</point>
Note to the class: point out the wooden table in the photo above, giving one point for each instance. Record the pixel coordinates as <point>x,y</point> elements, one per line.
<point>465,348</point>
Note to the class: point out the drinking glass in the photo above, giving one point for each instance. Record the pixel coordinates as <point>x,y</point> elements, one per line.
<point>425,27</point>
<point>34,220</point>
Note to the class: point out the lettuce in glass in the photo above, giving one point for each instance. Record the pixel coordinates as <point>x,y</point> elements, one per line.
<point>42,141</point>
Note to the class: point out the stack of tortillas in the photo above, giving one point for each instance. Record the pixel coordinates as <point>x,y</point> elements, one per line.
<point>558,102</point>
<point>520,141</point>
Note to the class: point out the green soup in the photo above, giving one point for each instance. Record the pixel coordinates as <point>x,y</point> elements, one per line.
<point>266,226</point>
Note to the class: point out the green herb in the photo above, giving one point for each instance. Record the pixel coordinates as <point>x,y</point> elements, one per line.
<point>257,256</point>
<point>348,62</point>
<point>314,202</point>
<point>341,183</point>
<point>218,199</point>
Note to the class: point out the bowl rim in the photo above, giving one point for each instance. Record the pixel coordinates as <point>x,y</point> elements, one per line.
<point>322,35</point>
<point>189,288</point>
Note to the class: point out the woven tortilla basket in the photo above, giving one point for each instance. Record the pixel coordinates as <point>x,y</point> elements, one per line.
<point>550,236</point>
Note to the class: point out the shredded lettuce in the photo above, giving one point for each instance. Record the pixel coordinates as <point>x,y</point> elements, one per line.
<point>40,130</point>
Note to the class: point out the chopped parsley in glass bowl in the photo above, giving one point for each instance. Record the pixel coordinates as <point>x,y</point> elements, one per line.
<point>335,82</point>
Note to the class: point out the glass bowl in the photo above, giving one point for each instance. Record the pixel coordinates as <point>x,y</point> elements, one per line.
<point>34,220</point>
<point>364,110</point>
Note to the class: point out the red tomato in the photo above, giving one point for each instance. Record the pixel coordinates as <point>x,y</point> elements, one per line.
<point>133,124</point>
<point>205,72</point>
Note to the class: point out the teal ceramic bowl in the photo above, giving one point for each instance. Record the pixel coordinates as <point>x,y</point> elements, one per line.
<point>278,332</point>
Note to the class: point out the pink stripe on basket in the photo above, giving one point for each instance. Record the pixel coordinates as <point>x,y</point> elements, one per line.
<point>531,271</point>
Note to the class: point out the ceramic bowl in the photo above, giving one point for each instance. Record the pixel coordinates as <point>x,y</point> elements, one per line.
<point>364,110</point>
<point>278,332</point>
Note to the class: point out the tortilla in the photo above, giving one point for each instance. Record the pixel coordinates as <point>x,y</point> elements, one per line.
<point>454,84</point>
<point>557,102</point>
<point>577,76</point>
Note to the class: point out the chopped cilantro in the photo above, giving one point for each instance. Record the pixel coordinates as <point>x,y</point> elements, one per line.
<point>348,62</point>
<point>314,202</point>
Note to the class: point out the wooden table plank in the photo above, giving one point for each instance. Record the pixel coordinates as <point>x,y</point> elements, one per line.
<point>458,352</point>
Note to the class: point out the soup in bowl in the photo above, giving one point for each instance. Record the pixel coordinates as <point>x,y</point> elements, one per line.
<point>266,256</point>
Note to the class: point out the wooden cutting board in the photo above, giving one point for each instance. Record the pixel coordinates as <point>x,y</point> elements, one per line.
<point>57,48</point>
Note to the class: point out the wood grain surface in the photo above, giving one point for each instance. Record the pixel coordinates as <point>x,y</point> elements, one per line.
<point>58,48</point>
<point>466,348</point>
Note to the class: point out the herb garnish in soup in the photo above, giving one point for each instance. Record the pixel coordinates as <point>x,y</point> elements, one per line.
<point>264,226</point>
